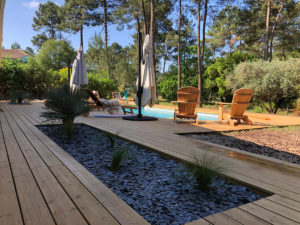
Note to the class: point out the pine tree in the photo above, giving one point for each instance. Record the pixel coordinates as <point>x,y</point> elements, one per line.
<point>15,45</point>
<point>46,21</point>
<point>78,14</point>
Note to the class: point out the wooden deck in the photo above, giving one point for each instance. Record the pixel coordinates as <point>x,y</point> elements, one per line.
<point>42,184</point>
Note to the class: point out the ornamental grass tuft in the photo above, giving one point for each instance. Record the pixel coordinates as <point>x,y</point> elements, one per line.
<point>204,168</point>
<point>118,156</point>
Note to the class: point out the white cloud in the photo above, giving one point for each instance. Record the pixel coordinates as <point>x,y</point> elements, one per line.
<point>31,5</point>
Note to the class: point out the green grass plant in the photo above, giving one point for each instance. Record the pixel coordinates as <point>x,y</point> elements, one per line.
<point>118,156</point>
<point>288,128</point>
<point>111,139</point>
<point>204,168</point>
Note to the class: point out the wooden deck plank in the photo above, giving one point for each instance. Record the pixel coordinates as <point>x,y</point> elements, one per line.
<point>199,222</point>
<point>266,215</point>
<point>286,202</point>
<point>118,208</point>
<point>61,207</point>
<point>92,210</point>
<point>34,209</point>
<point>244,217</point>
<point>279,209</point>
<point>221,219</point>
<point>9,207</point>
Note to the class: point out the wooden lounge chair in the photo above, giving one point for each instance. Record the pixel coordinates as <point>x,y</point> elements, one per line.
<point>95,100</point>
<point>117,96</point>
<point>241,100</point>
<point>187,100</point>
<point>98,104</point>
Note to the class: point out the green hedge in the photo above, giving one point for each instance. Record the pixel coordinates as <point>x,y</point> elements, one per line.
<point>30,77</point>
<point>103,85</point>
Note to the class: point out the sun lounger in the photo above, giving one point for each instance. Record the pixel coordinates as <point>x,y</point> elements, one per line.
<point>98,103</point>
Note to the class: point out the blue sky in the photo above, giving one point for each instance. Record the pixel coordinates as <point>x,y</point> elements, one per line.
<point>17,27</point>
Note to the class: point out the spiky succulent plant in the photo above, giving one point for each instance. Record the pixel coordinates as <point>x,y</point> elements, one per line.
<point>65,104</point>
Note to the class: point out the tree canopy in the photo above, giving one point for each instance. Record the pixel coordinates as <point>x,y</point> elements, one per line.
<point>55,54</point>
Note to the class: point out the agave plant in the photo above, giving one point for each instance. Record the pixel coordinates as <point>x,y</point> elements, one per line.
<point>65,104</point>
<point>205,168</point>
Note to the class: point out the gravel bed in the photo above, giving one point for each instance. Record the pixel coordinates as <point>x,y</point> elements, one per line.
<point>159,189</point>
<point>278,143</point>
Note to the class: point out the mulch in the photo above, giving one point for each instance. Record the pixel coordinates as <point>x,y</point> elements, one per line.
<point>279,143</point>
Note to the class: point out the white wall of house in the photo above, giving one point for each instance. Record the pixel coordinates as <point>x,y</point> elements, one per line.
<point>2,5</point>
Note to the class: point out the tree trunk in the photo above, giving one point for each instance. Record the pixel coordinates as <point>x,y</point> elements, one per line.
<point>267,35</point>
<point>106,36</point>
<point>179,46</point>
<point>202,52</point>
<point>198,46</point>
<point>144,19</point>
<point>52,32</point>
<point>164,62</point>
<point>273,31</point>
<point>81,36</point>
<point>152,32</point>
<point>210,95</point>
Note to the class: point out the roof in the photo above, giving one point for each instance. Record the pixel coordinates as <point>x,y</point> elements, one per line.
<point>13,53</point>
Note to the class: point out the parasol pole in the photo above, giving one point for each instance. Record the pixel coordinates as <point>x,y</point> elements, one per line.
<point>140,88</point>
<point>139,116</point>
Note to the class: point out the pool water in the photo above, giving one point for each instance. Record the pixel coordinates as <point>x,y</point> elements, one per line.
<point>167,113</point>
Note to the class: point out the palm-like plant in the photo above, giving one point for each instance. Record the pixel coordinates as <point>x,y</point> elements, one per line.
<point>205,168</point>
<point>64,104</point>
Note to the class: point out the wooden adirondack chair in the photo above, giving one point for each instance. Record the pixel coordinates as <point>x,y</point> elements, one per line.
<point>187,100</point>
<point>241,100</point>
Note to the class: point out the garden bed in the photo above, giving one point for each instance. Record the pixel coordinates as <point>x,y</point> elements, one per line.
<point>159,189</point>
<point>280,143</point>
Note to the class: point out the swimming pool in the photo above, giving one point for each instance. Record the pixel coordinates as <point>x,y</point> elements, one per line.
<point>167,113</point>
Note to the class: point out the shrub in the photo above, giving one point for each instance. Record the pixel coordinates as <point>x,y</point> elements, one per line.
<point>204,169</point>
<point>217,72</point>
<point>167,88</point>
<point>297,111</point>
<point>37,79</point>
<point>18,96</point>
<point>31,77</point>
<point>64,104</point>
<point>103,85</point>
<point>10,75</point>
<point>272,82</point>
<point>63,76</point>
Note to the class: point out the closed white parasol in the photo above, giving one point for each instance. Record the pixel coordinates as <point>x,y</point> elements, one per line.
<point>147,75</point>
<point>79,75</point>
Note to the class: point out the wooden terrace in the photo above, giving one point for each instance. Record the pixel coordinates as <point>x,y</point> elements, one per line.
<point>41,184</point>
